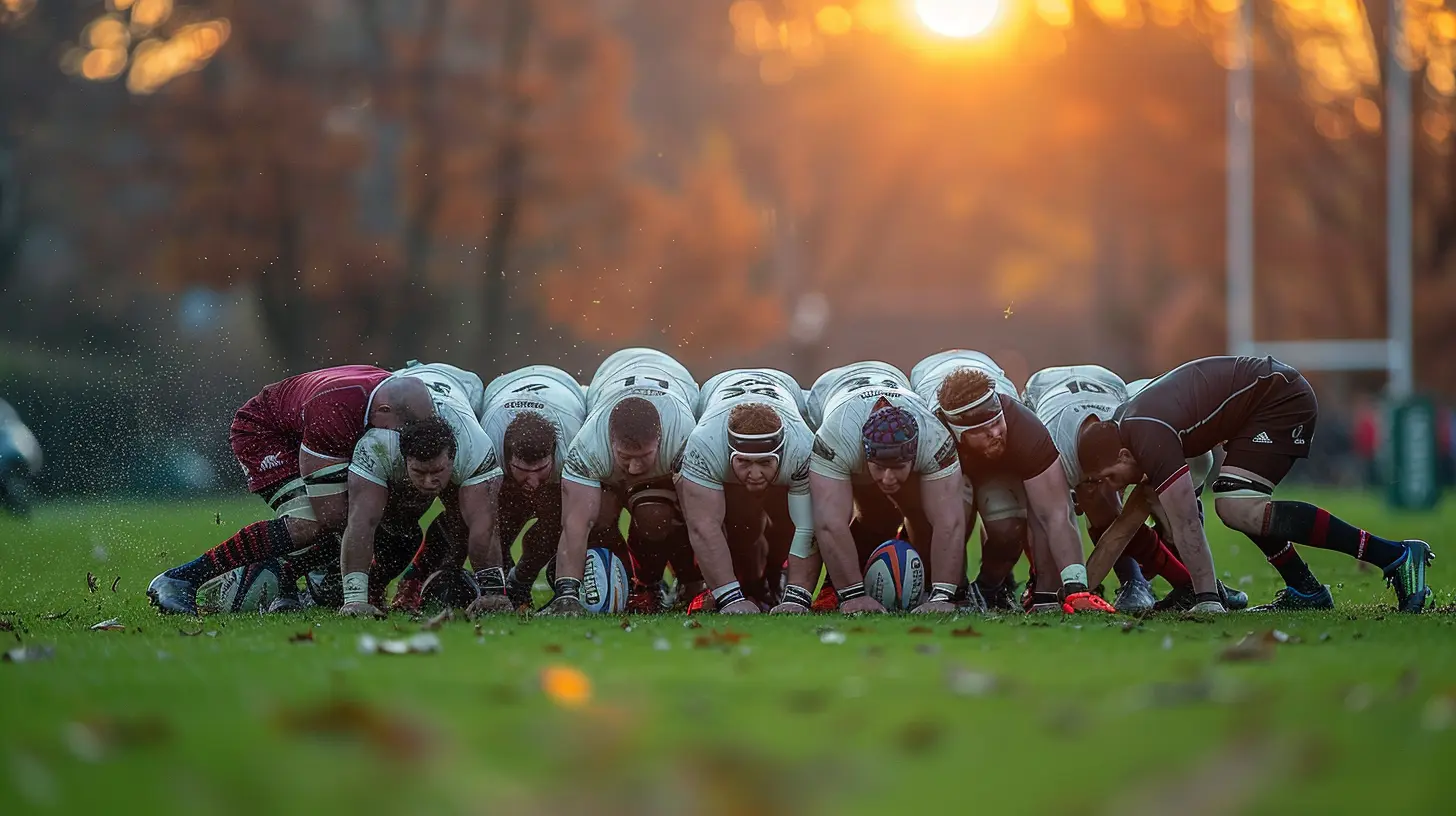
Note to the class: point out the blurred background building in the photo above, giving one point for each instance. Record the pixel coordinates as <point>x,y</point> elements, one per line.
<point>198,197</point>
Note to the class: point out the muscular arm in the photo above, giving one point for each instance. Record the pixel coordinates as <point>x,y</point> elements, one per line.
<point>477,509</point>
<point>365,511</point>
<point>1179,507</point>
<point>330,502</point>
<point>1049,501</point>
<point>579,507</point>
<point>945,510</point>
<point>833,501</point>
<point>703,508</point>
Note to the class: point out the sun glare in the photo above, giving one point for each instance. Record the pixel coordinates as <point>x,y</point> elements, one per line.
<point>958,18</point>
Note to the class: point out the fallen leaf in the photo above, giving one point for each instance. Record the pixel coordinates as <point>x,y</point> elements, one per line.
<point>109,625</point>
<point>1252,647</point>
<point>566,686</point>
<point>626,624</point>
<point>55,615</point>
<point>714,638</point>
<point>478,633</point>
<point>969,631</point>
<point>114,583</point>
<point>390,734</point>
<point>96,738</point>
<point>920,736</point>
<point>552,648</point>
<point>439,620</point>
<point>692,623</point>
<point>29,654</point>
<point>921,630</point>
<point>302,637</point>
<point>185,633</point>
<point>91,582</point>
<point>858,630</point>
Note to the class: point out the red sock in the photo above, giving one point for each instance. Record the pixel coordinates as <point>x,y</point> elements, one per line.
<point>1148,549</point>
<point>256,542</point>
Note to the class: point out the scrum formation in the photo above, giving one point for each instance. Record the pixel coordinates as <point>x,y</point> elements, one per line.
<point>858,494</point>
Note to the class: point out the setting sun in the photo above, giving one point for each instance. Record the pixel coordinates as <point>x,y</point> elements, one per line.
<point>958,18</point>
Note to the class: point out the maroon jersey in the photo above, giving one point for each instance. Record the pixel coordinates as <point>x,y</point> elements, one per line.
<point>1255,404</point>
<point>323,413</point>
<point>1029,448</point>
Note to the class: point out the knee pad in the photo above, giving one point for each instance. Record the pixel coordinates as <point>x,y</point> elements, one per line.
<point>1240,487</point>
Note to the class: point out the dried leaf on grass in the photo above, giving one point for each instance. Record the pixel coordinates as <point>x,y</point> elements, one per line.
<point>390,734</point>
<point>714,639</point>
<point>302,637</point>
<point>109,625</point>
<point>969,631</point>
<point>91,582</point>
<point>921,630</point>
<point>96,738</point>
<point>115,583</point>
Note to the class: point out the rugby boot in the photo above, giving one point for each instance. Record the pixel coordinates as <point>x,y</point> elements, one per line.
<point>702,602</point>
<point>517,591</point>
<point>407,595</point>
<point>1000,598</point>
<point>1233,599</point>
<point>1408,577</point>
<point>1181,599</point>
<point>287,603</point>
<point>1290,599</point>
<point>969,599</point>
<point>173,595</point>
<point>1134,597</point>
<point>1038,602</point>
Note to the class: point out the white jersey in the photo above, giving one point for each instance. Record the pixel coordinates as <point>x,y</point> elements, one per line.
<point>928,374</point>
<point>1066,397</point>
<point>631,367</point>
<point>377,456</point>
<point>543,390</point>
<point>654,377</point>
<point>871,372</point>
<point>446,380</point>
<point>848,402</point>
<point>705,459</point>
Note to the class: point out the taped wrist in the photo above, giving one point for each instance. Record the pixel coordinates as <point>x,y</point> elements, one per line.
<point>492,580</point>
<point>1075,574</point>
<point>356,587</point>
<point>567,588</point>
<point>729,593</point>
<point>798,595</point>
<point>852,592</point>
<point>942,592</point>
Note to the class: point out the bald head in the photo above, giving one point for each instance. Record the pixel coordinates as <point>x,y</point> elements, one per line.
<point>399,400</point>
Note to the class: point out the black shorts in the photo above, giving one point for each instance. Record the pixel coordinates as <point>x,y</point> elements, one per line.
<point>1282,426</point>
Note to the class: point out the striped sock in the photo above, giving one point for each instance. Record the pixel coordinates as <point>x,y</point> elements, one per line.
<point>256,542</point>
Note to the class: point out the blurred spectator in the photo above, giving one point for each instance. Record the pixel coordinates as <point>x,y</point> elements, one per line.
<point>1367,440</point>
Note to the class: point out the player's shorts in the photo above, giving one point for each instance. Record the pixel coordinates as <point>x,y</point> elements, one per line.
<point>268,456</point>
<point>1284,423</point>
<point>1000,498</point>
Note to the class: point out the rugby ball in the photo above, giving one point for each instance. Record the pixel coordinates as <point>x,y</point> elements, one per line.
<point>895,575</point>
<point>604,582</point>
<point>448,589</point>
<point>245,589</point>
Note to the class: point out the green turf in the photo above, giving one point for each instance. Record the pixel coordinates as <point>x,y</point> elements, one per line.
<point>1028,715</point>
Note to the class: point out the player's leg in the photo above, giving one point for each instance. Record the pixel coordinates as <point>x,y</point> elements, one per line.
<point>745,525</point>
<point>780,538</point>
<point>1243,499</point>
<point>1145,557</point>
<point>876,520</point>
<point>271,462</point>
<point>538,545</point>
<point>657,535</point>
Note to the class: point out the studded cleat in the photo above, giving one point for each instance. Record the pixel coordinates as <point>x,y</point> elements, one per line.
<point>173,595</point>
<point>1408,577</point>
<point>1233,598</point>
<point>1290,599</point>
<point>1135,598</point>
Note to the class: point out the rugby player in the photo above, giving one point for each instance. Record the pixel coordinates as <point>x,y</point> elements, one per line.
<point>744,486</point>
<point>1264,413</point>
<point>446,456</point>
<point>881,461</point>
<point>530,416</point>
<point>1012,463</point>
<point>639,415</point>
<point>1067,397</point>
<point>293,441</point>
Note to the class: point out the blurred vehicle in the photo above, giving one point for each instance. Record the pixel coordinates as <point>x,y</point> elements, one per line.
<point>20,461</point>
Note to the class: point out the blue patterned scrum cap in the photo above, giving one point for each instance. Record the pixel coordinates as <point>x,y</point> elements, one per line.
<point>890,436</point>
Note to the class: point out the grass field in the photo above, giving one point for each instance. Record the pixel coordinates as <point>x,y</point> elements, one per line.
<point>1016,714</point>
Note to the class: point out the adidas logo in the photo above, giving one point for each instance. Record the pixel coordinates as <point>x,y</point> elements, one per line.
<point>1264,437</point>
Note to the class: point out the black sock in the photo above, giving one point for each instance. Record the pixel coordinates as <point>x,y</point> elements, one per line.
<point>1306,524</point>
<point>1291,567</point>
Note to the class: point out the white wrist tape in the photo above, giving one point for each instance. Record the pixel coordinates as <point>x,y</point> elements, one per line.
<point>1075,574</point>
<point>356,587</point>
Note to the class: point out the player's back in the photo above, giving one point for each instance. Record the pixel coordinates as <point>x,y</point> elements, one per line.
<point>450,382</point>
<point>543,390</point>
<point>767,385</point>
<point>632,368</point>
<point>928,374</point>
<point>866,374</point>
<point>1052,387</point>
<point>341,391</point>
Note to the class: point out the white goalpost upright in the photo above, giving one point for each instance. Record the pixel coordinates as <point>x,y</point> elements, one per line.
<point>1391,354</point>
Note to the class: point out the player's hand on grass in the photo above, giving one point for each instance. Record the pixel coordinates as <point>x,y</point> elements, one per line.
<point>564,606</point>
<point>789,608</point>
<point>488,605</point>
<point>360,609</point>
<point>861,605</point>
<point>742,606</point>
<point>934,608</point>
